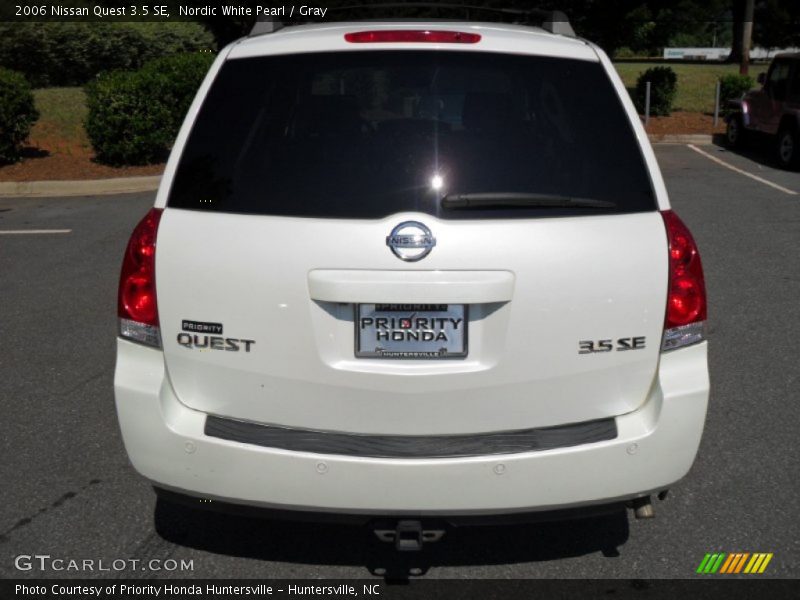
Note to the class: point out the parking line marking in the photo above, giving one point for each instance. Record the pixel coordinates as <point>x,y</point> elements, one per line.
<point>742,171</point>
<point>33,231</point>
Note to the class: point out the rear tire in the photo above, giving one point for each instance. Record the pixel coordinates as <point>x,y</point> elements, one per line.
<point>735,132</point>
<point>788,148</point>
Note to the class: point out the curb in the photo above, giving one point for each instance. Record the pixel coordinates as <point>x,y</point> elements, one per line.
<point>89,187</point>
<point>127,185</point>
<point>681,138</point>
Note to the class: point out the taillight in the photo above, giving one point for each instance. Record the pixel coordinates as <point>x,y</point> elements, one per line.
<point>409,35</point>
<point>685,321</point>
<point>136,306</point>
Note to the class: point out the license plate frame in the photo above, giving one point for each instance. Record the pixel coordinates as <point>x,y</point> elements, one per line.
<point>397,349</point>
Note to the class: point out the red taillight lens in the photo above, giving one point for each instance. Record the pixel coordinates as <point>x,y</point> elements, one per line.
<point>138,296</point>
<point>686,300</point>
<point>409,35</point>
<point>137,307</point>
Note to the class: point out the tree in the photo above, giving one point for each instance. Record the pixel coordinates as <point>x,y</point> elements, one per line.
<point>742,33</point>
<point>777,24</point>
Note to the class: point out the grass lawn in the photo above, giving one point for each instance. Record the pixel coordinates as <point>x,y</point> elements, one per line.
<point>58,147</point>
<point>696,82</point>
<point>62,111</point>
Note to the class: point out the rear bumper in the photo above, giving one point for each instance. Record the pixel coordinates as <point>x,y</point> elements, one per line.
<point>654,448</point>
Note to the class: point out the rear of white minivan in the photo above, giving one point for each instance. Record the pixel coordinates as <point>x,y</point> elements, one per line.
<point>412,270</point>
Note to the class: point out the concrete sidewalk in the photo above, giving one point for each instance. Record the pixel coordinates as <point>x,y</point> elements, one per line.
<point>681,138</point>
<point>89,187</point>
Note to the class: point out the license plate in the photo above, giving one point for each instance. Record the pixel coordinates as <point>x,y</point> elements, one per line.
<point>416,331</point>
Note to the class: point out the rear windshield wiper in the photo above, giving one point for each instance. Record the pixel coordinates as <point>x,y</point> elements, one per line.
<point>519,200</point>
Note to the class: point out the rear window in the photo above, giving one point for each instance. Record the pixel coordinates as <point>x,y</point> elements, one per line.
<point>368,134</point>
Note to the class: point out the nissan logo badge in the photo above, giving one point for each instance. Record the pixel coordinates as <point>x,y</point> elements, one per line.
<point>411,241</point>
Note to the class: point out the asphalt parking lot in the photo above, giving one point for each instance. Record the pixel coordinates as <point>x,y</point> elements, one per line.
<point>69,492</point>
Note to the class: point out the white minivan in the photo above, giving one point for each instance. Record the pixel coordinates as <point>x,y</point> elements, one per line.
<point>412,269</point>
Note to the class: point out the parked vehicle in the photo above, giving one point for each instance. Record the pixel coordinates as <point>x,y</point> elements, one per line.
<point>412,269</point>
<point>773,111</point>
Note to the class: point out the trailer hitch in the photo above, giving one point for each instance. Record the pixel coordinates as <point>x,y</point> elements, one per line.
<point>408,535</point>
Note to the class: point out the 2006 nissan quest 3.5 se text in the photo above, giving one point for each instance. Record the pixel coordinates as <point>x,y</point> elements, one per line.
<point>415,269</point>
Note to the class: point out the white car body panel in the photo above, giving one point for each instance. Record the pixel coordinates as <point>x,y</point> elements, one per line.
<point>494,38</point>
<point>574,279</point>
<point>535,288</point>
<point>655,448</point>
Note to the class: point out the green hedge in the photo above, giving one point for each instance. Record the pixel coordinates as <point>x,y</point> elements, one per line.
<point>134,116</point>
<point>17,114</point>
<point>733,87</point>
<point>663,86</point>
<point>68,54</point>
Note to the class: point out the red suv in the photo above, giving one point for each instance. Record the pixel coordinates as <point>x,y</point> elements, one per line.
<point>773,110</point>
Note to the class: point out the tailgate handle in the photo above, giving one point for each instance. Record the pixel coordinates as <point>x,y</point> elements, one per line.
<point>413,287</point>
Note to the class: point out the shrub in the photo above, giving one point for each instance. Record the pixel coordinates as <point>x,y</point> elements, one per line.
<point>17,114</point>
<point>134,116</point>
<point>27,49</point>
<point>184,74</point>
<point>624,52</point>
<point>162,39</point>
<point>663,85</point>
<point>733,87</point>
<point>71,53</point>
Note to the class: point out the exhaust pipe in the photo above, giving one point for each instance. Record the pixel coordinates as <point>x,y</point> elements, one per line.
<point>643,508</point>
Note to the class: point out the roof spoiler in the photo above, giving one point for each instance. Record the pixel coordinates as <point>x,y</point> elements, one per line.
<point>554,21</point>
